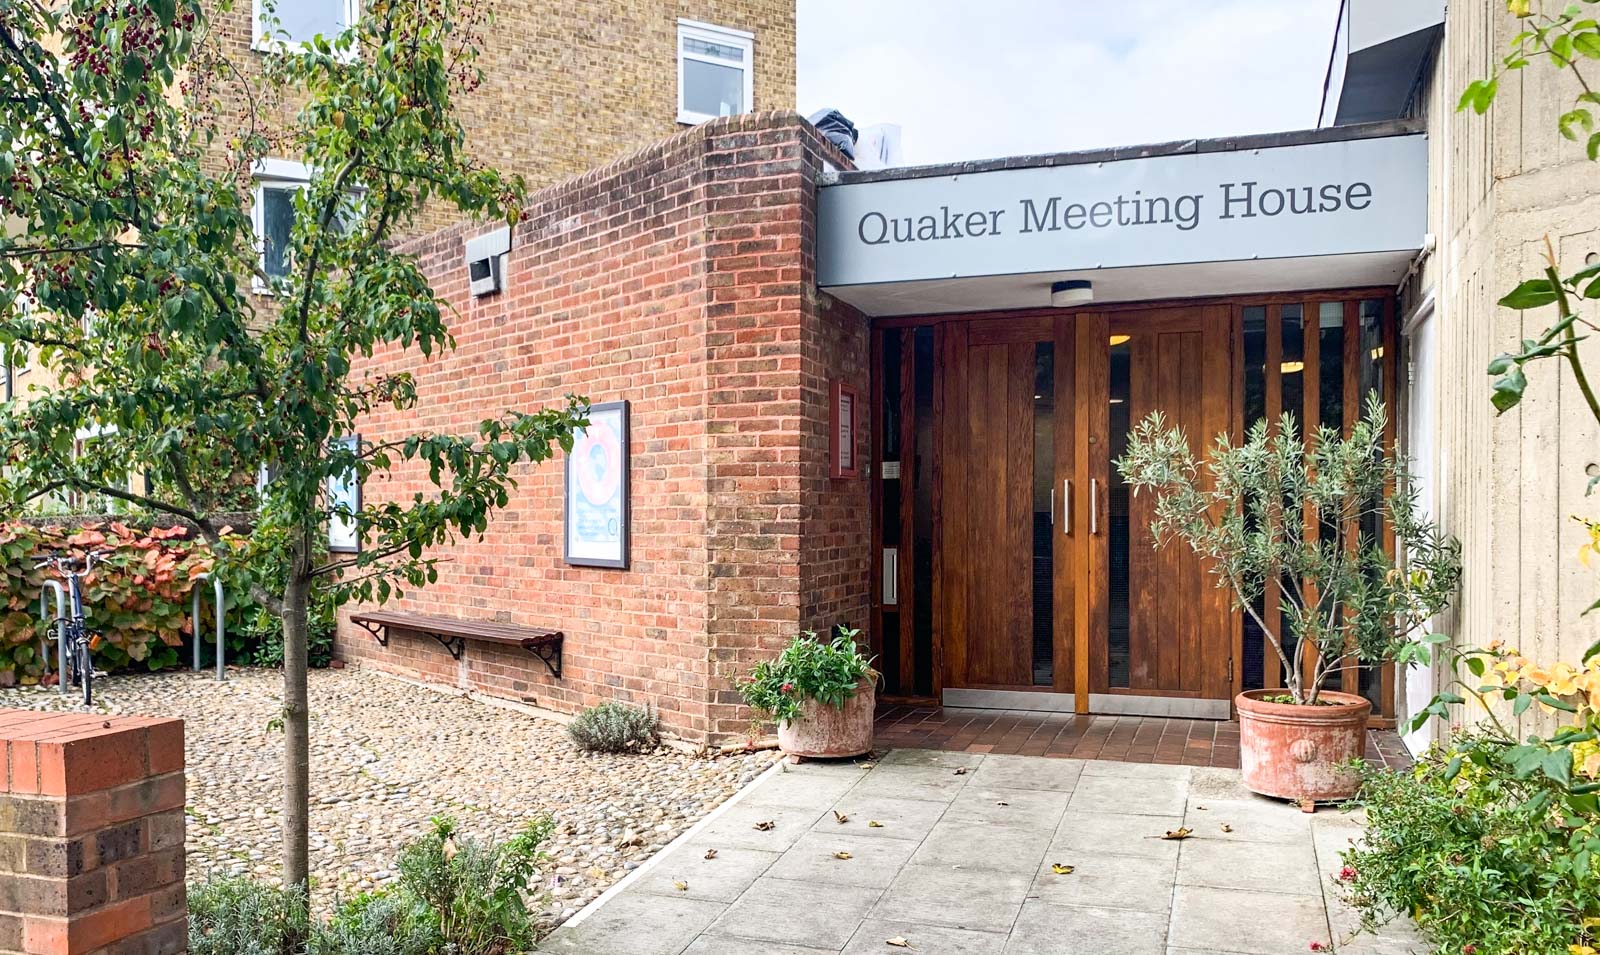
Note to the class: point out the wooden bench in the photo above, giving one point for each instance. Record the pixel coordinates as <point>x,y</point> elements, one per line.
<point>452,633</point>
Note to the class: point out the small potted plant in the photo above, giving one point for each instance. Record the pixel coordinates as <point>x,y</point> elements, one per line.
<point>1273,513</point>
<point>820,693</point>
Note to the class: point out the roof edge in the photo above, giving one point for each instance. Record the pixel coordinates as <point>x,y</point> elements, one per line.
<point>1299,137</point>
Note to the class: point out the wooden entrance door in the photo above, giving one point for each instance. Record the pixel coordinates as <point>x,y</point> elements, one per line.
<point>1005,409</point>
<point>1159,627</point>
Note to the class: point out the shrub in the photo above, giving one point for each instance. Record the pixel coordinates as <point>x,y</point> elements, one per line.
<point>808,669</point>
<point>1456,845</point>
<point>238,916</point>
<point>470,892</point>
<point>616,727</point>
<point>375,923</point>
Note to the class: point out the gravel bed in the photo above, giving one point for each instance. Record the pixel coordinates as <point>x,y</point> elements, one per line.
<point>389,755</point>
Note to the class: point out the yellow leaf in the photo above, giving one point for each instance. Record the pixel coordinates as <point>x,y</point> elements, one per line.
<point>681,886</point>
<point>874,824</point>
<point>841,854</point>
<point>1182,833</point>
<point>897,942</point>
<point>840,817</point>
<point>1060,869</point>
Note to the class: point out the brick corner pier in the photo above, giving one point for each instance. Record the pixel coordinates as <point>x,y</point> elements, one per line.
<point>91,835</point>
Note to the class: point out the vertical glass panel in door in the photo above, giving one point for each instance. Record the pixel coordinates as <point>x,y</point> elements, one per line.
<point>1044,512</point>
<point>1118,612</point>
<point>1254,663</point>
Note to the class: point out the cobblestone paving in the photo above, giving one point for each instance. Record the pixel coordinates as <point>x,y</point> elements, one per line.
<point>387,756</point>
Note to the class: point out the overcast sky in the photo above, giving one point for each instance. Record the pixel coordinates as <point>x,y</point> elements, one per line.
<point>970,79</point>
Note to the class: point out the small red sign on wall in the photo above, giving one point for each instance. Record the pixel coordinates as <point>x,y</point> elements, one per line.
<point>842,432</point>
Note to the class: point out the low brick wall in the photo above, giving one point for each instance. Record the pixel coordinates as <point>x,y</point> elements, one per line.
<point>91,835</point>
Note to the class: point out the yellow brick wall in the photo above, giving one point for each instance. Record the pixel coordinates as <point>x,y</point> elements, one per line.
<point>573,84</point>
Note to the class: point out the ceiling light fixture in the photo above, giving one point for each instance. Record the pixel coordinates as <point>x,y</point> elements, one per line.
<point>1070,292</point>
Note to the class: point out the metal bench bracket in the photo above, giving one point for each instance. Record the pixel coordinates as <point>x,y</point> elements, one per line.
<point>379,631</point>
<point>456,645</point>
<point>549,653</point>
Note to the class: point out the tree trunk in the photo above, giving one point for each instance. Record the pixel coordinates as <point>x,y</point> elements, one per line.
<point>296,736</point>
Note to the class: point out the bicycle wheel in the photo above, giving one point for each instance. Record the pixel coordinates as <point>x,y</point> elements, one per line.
<point>85,668</point>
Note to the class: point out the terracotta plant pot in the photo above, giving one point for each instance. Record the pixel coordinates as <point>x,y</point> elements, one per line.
<point>831,732</point>
<point>1301,752</point>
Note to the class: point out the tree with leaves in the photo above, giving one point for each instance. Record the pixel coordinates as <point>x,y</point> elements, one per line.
<point>130,270</point>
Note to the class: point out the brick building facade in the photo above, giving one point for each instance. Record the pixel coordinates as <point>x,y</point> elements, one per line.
<point>681,279</point>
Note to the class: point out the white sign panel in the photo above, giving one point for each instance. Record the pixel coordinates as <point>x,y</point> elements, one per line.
<point>1336,198</point>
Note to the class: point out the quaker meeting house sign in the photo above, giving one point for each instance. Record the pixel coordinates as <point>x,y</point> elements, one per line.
<point>1299,200</point>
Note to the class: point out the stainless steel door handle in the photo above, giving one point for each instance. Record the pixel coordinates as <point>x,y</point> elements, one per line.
<point>1094,506</point>
<point>1052,506</point>
<point>1066,506</point>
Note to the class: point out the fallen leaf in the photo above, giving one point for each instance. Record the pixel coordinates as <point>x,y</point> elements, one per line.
<point>841,854</point>
<point>897,942</point>
<point>874,824</point>
<point>766,825</point>
<point>1201,808</point>
<point>1002,803</point>
<point>681,886</point>
<point>961,770</point>
<point>1060,869</point>
<point>1183,833</point>
<point>868,765</point>
<point>840,817</point>
<point>711,853</point>
<point>1226,828</point>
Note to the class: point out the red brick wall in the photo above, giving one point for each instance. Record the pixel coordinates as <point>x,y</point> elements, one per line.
<point>91,835</point>
<point>679,278</point>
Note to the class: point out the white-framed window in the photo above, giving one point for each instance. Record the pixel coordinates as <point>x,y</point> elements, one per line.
<point>716,69</point>
<point>272,213</point>
<point>299,21</point>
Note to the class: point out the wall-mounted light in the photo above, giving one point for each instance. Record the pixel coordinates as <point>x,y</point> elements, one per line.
<point>1070,292</point>
<point>1119,340</point>
<point>1292,367</point>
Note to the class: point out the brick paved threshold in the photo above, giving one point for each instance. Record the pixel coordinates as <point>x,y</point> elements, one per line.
<point>1132,739</point>
<point>963,861</point>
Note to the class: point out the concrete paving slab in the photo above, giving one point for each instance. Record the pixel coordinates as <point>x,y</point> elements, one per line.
<point>1256,923</point>
<point>728,945</point>
<point>807,784</point>
<point>816,915</point>
<point>1121,833</point>
<point>1135,883</point>
<point>1159,796</point>
<point>1020,808</point>
<point>972,846</point>
<point>1111,767</point>
<point>1254,819</point>
<point>691,875</point>
<point>1260,867</point>
<point>637,925</point>
<point>872,862</point>
<point>1046,929</point>
<point>1028,772</point>
<point>910,819</point>
<point>933,783</point>
<point>984,900</point>
<point>872,939</point>
<point>931,757</point>
<point>737,828</point>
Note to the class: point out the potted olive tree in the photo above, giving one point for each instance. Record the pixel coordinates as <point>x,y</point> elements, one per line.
<point>1273,513</point>
<point>820,693</point>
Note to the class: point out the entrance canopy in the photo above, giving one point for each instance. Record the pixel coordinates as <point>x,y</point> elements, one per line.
<point>1331,208</point>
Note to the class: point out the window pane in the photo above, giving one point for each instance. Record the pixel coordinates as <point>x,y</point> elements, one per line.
<point>277,217</point>
<point>712,89</point>
<point>1044,479</point>
<point>1117,544</point>
<point>1330,364</point>
<point>722,51</point>
<point>1253,665</point>
<point>304,19</point>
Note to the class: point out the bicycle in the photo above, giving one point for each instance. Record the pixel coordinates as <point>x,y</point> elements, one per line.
<point>76,634</point>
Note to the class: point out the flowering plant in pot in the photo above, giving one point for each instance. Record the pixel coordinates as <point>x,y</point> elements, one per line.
<point>1306,520</point>
<point>820,693</point>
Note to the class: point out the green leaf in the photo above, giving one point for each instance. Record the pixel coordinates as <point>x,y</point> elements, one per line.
<point>1533,293</point>
<point>1508,389</point>
<point>1587,44</point>
<point>1557,766</point>
<point>1594,649</point>
<point>1476,665</point>
<point>1453,769</point>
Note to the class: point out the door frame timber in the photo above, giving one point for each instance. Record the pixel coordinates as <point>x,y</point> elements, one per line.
<point>1084,327</point>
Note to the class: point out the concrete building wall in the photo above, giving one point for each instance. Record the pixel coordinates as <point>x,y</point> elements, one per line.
<point>1507,485</point>
<point>679,278</point>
